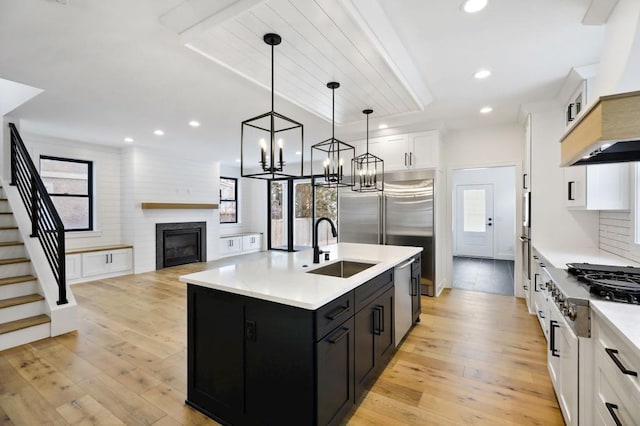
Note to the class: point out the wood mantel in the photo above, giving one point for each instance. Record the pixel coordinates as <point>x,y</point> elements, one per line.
<point>182,206</point>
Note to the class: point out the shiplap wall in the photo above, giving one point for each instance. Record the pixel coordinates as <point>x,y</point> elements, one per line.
<point>616,234</point>
<point>106,168</point>
<point>159,176</point>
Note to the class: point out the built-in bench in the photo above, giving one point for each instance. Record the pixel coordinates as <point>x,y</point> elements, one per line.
<point>93,263</point>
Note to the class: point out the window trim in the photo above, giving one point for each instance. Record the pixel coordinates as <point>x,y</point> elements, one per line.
<point>235,200</point>
<point>89,195</point>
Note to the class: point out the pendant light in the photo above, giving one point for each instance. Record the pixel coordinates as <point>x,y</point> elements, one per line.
<point>271,145</point>
<point>334,155</point>
<point>368,170</point>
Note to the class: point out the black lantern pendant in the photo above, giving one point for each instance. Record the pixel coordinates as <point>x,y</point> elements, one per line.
<point>368,170</point>
<point>271,144</point>
<point>334,155</point>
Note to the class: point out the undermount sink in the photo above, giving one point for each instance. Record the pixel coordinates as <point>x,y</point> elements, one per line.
<point>342,269</point>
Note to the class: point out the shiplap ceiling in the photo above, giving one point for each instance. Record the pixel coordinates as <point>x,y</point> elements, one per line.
<point>119,68</point>
<point>322,42</point>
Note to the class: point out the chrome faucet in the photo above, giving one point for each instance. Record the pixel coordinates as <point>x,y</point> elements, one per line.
<point>316,249</point>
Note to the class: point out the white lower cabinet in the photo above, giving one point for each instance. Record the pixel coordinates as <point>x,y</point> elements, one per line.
<point>240,244</point>
<point>616,366</point>
<point>95,264</point>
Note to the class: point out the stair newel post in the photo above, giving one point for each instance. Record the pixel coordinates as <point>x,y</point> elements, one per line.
<point>34,207</point>
<point>62,278</point>
<point>13,161</point>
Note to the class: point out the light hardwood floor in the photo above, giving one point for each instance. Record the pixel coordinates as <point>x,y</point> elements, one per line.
<point>474,359</point>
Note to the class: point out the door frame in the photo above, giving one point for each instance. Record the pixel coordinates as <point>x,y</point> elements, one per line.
<point>449,234</point>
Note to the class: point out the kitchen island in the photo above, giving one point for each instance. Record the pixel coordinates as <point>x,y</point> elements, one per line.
<point>270,343</point>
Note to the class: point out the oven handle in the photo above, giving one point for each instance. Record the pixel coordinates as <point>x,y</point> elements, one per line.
<point>612,353</point>
<point>552,344</point>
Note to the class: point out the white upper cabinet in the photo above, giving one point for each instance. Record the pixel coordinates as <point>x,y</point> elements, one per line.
<point>407,151</point>
<point>597,187</point>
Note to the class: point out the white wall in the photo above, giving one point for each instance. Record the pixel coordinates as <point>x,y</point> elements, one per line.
<point>162,176</point>
<point>486,147</point>
<point>504,205</point>
<point>252,204</point>
<point>552,224</point>
<point>106,186</point>
<point>620,60</point>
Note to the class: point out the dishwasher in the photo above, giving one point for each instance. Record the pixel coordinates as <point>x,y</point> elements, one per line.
<point>403,312</point>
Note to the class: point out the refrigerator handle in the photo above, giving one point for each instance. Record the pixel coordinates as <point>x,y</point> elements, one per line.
<point>383,215</point>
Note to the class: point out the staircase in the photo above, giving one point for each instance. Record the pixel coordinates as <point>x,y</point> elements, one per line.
<point>22,308</point>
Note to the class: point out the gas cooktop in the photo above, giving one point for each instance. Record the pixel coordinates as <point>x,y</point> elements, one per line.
<point>613,283</point>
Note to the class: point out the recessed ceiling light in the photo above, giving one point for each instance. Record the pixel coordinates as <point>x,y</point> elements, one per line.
<point>482,74</point>
<point>194,123</point>
<point>473,6</point>
<point>128,139</point>
<point>382,126</point>
<point>158,132</point>
<point>486,110</point>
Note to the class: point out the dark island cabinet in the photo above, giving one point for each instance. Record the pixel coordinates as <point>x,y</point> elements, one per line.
<point>374,339</point>
<point>256,362</point>
<point>416,301</point>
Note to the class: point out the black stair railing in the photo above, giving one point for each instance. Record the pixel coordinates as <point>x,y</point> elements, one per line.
<point>45,220</point>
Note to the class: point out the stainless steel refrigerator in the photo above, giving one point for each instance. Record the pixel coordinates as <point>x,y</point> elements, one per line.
<point>401,215</point>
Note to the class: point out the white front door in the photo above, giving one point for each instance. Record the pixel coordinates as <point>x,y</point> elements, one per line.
<point>474,220</point>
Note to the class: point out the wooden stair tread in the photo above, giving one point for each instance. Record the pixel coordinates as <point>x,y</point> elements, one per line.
<point>6,212</point>
<point>8,327</point>
<point>20,300</point>
<point>11,243</point>
<point>18,279</point>
<point>8,228</point>
<point>14,260</point>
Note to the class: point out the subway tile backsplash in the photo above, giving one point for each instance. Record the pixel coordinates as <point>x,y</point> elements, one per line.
<point>616,234</point>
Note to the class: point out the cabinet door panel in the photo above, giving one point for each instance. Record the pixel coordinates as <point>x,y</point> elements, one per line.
<point>384,339</point>
<point>216,351</point>
<point>575,186</point>
<point>364,346</point>
<point>120,260</point>
<point>279,363</point>
<point>423,150</point>
<point>94,263</point>
<point>335,373</point>
<point>394,151</point>
<point>73,266</point>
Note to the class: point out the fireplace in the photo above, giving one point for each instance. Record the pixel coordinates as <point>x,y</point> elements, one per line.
<point>180,243</point>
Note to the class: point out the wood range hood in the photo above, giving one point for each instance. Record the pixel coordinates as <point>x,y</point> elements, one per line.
<point>608,132</point>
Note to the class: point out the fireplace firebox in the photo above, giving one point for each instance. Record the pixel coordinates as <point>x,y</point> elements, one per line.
<point>180,243</point>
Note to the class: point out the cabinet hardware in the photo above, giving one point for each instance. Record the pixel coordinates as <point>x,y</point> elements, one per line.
<point>405,158</point>
<point>250,332</point>
<point>336,313</point>
<point>552,344</point>
<point>380,309</point>
<point>526,287</point>
<point>535,282</point>
<point>411,158</point>
<point>570,190</point>
<point>524,181</point>
<point>375,318</point>
<point>106,258</point>
<point>338,335</point>
<point>612,354</point>
<point>541,315</point>
<point>614,416</point>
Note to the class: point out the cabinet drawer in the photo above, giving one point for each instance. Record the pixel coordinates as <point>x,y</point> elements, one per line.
<point>612,352</point>
<point>369,290</point>
<point>333,313</point>
<point>611,401</point>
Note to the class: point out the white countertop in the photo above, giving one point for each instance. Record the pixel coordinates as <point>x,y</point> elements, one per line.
<point>282,278</point>
<point>559,257</point>
<point>623,317</point>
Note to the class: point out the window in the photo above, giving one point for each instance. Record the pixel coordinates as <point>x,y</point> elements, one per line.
<point>70,185</point>
<point>228,200</point>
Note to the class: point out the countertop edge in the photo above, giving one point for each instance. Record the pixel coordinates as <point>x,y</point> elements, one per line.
<point>598,306</point>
